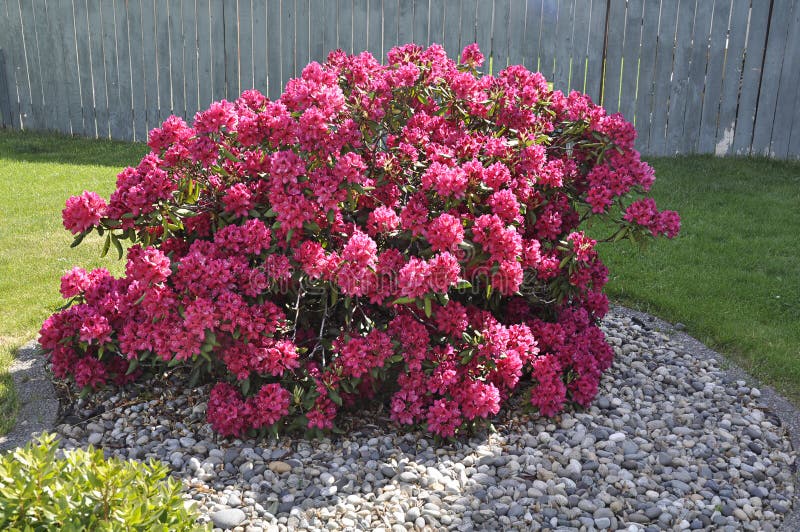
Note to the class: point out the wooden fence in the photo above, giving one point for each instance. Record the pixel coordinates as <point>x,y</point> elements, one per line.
<point>695,76</point>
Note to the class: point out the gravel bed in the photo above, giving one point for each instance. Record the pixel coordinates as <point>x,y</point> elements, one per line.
<point>671,442</point>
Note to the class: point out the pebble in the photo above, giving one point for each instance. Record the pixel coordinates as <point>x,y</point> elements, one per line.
<point>670,442</point>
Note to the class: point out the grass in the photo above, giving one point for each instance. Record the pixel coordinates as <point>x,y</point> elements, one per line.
<point>733,275</point>
<point>37,174</point>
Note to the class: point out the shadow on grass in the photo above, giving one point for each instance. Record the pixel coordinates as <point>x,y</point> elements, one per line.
<point>38,147</point>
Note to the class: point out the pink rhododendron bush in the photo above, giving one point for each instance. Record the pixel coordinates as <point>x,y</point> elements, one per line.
<point>405,233</point>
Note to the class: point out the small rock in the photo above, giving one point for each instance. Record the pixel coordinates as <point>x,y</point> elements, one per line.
<point>279,467</point>
<point>227,519</point>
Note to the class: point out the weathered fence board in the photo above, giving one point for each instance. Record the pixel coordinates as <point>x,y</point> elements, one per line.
<point>615,37</point>
<point>630,59</point>
<point>696,80</point>
<point>665,51</point>
<point>731,77</point>
<point>645,90</point>
<point>713,87</point>
<point>787,89</point>
<point>5,98</point>
<point>680,76</point>
<point>708,76</point>
<point>751,78</point>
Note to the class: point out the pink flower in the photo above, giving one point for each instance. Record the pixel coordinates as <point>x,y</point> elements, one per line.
<point>472,56</point>
<point>445,233</point>
<point>226,410</point>
<point>444,418</point>
<point>412,279</point>
<point>74,282</point>
<point>269,405</point>
<point>83,212</point>
<point>238,200</point>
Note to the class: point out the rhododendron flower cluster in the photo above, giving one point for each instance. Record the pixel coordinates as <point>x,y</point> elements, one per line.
<point>408,233</point>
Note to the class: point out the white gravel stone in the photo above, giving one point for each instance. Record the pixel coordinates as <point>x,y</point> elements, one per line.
<point>670,442</point>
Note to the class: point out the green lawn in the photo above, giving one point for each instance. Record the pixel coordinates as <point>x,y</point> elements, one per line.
<point>37,174</point>
<point>733,275</point>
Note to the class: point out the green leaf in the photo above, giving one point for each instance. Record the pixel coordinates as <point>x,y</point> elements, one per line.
<point>106,245</point>
<point>428,310</point>
<point>463,284</point>
<point>79,238</point>
<point>334,396</point>
<point>117,245</point>
<point>132,365</point>
<point>403,300</point>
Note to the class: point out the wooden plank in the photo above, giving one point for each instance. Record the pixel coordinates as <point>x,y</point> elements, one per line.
<point>246,35</point>
<point>260,38</point>
<point>164,61</point>
<point>110,62</point>
<point>391,18</point>
<point>274,83</point>
<point>731,78</point>
<point>436,22</point>
<point>582,13</point>
<point>302,36</point>
<point>645,90</point>
<point>176,68</point>
<point>547,39</point>
<point>516,33</point>
<point>469,26</point>
<point>230,16</point>
<point>696,80</point>
<point>328,20</point>
<point>770,77</point>
<point>662,76</point>
<point>218,51</point>
<point>483,33</point>
<point>712,91</point>
<point>12,39</point>
<point>49,26</point>
<point>191,58</point>
<point>751,78</point>
<point>5,94</point>
<point>122,127</point>
<point>419,30</point>
<point>612,81</point>
<point>405,22</point>
<point>500,36</point>
<point>99,70</point>
<point>84,68</point>
<point>139,71</point>
<point>205,50</point>
<point>794,138</point>
<point>787,93</point>
<point>287,41</point>
<point>374,28</point>
<point>360,21</point>
<point>61,24</point>
<point>562,52</point>
<point>452,28</point>
<point>150,58</point>
<point>533,34</point>
<point>630,59</point>
<point>595,50</point>
<point>680,76</point>
<point>36,117</point>
<point>319,25</point>
<point>345,26</point>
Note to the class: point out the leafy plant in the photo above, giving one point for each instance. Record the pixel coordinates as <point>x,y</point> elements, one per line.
<point>84,491</point>
<point>406,232</point>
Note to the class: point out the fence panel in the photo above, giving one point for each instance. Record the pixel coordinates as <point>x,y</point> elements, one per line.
<point>688,73</point>
<point>713,86</point>
<point>787,91</point>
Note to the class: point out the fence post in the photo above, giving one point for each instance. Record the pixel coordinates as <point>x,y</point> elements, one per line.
<point>5,99</point>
